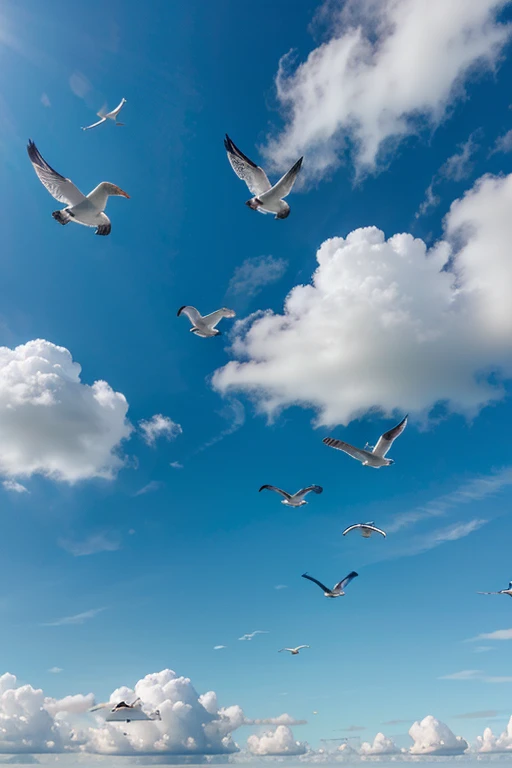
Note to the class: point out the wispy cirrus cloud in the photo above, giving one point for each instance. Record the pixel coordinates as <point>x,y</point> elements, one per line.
<point>153,485</point>
<point>98,542</point>
<point>77,618</point>
<point>499,634</point>
<point>478,675</point>
<point>254,274</point>
<point>15,487</point>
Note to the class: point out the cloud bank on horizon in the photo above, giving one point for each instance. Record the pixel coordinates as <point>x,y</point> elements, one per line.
<point>385,71</point>
<point>433,324</point>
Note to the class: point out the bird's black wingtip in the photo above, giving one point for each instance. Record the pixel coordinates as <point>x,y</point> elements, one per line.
<point>304,575</point>
<point>180,310</point>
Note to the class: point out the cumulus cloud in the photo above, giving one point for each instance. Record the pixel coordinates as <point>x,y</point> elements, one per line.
<point>382,745</point>
<point>488,742</point>
<point>98,542</point>
<point>278,742</point>
<point>252,275</point>
<point>76,704</point>
<point>385,71</point>
<point>432,737</point>
<point>432,324</point>
<point>159,426</point>
<point>55,670</point>
<point>53,424</point>
<point>12,485</point>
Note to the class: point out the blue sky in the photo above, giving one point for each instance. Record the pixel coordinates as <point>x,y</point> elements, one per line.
<point>193,554</point>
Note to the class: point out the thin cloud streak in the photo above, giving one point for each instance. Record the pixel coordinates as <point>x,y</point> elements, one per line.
<point>78,618</point>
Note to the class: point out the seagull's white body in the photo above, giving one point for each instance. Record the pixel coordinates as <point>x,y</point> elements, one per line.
<point>338,589</point>
<point>507,591</point>
<point>108,116</point>
<point>205,326</point>
<point>294,651</point>
<point>87,210</point>
<point>368,456</point>
<point>367,529</point>
<point>295,499</point>
<point>267,198</point>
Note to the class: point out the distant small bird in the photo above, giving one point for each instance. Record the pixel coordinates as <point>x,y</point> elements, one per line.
<point>125,713</point>
<point>337,590</point>
<point>507,591</point>
<point>205,326</point>
<point>294,651</point>
<point>267,198</point>
<point>86,210</point>
<point>295,499</point>
<point>366,529</point>
<point>250,635</point>
<point>371,456</point>
<point>107,116</point>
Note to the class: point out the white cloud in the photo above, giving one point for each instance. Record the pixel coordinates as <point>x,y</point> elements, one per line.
<point>98,542</point>
<point>250,635</point>
<point>483,649</point>
<point>281,586</point>
<point>233,412</point>
<point>252,275</point>
<point>153,485</point>
<point>53,424</point>
<point>219,647</point>
<point>75,704</point>
<point>381,745</point>
<point>387,70</point>
<point>176,465</point>
<point>442,535</point>
<point>45,100</point>
<point>159,426</point>
<point>489,743</point>
<point>284,719</point>
<point>77,618</point>
<point>476,674</point>
<point>499,634</point>
<point>432,737</point>
<point>278,742</point>
<point>12,485</point>
<point>430,201</point>
<point>431,325</point>
<point>503,143</point>
<point>55,670</point>
<point>79,84</point>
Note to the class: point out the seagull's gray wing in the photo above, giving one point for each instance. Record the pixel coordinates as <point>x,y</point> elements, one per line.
<point>215,317</point>
<point>344,582</point>
<point>299,647</point>
<point>352,528</point>
<point>285,184</point>
<point>310,489</point>
<point>489,593</point>
<point>254,176</point>
<point>277,490</point>
<point>58,186</point>
<point>191,312</point>
<point>315,581</point>
<point>340,445</point>
<point>386,440</point>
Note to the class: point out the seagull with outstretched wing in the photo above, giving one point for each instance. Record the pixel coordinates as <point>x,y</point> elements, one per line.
<point>295,499</point>
<point>366,529</point>
<point>125,713</point>
<point>294,651</point>
<point>338,589</point>
<point>82,209</point>
<point>371,456</point>
<point>266,198</point>
<point>507,591</point>
<point>205,326</point>
<point>107,116</point>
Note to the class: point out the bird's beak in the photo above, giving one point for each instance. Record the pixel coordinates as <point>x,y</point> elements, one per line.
<point>122,193</point>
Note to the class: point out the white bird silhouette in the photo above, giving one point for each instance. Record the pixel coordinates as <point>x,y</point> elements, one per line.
<point>371,456</point>
<point>366,529</point>
<point>86,210</point>
<point>250,635</point>
<point>507,591</point>
<point>125,713</point>
<point>107,116</point>
<point>294,651</point>
<point>338,589</point>
<point>267,198</point>
<point>295,499</point>
<point>205,326</point>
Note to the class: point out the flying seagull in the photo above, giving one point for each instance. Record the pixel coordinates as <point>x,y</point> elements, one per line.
<point>507,591</point>
<point>205,326</point>
<point>295,499</point>
<point>79,208</point>
<point>337,590</point>
<point>107,116</point>
<point>294,651</point>
<point>267,198</point>
<point>366,529</point>
<point>125,713</point>
<point>371,456</point>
